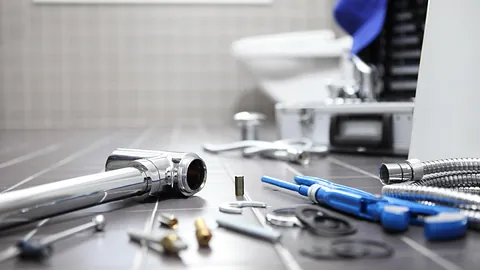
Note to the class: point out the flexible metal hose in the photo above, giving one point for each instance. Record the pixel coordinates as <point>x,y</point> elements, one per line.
<point>449,181</point>
<point>444,174</point>
<point>451,164</point>
<point>415,170</point>
<point>432,194</point>
<point>453,182</point>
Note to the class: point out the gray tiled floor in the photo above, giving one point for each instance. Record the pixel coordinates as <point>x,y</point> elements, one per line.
<point>84,152</point>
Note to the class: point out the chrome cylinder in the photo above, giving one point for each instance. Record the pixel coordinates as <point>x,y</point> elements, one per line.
<point>129,173</point>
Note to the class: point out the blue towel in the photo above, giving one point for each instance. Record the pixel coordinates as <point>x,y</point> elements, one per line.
<point>362,19</point>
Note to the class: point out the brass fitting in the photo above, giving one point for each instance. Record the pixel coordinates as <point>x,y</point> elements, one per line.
<point>172,244</point>
<point>203,233</point>
<point>168,220</point>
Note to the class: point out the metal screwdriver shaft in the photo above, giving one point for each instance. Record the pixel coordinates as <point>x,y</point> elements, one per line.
<point>42,248</point>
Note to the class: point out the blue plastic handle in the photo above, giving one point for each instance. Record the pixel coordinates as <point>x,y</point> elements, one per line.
<point>394,214</point>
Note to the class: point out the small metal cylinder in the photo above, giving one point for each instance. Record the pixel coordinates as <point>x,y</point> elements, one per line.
<point>202,233</point>
<point>168,220</point>
<point>239,185</point>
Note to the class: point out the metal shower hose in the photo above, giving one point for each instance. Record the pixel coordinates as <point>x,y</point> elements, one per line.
<point>453,182</point>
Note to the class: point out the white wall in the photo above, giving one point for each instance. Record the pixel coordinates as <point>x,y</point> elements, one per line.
<point>130,65</point>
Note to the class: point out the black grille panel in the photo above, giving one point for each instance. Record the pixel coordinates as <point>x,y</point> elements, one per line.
<point>396,52</point>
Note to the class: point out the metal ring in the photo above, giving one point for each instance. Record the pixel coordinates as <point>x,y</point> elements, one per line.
<point>321,223</point>
<point>283,217</point>
<point>367,244</point>
<point>312,192</point>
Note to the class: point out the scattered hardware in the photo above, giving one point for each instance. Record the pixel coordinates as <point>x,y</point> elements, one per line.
<point>134,176</point>
<point>319,222</point>
<point>239,185</point>
<point>168,220</point>
<point>236,207</point>
<point>43,248</point>
<point>203,233</point>
<point>171,243</point>
<point>251,230</point>
<point>341,249</point>
<point>283,217</point>
<point>368,206</point>
<point>294,151</point>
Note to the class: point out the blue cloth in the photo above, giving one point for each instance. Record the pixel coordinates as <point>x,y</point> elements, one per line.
<point>362,19</point>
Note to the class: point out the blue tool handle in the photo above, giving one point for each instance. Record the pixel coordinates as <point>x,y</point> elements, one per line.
<point>310,180</point>
<point>445,226</point>
<point>347,202</point>
<point>302,190</point>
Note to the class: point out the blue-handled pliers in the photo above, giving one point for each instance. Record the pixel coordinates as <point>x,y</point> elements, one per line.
<point>439,222</point>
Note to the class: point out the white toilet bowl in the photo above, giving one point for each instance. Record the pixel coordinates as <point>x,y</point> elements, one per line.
<point>293,66</point>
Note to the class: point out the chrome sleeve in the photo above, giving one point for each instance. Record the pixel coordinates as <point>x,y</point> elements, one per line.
<point>29,204</point>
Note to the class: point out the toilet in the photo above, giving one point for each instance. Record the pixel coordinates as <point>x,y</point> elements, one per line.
<point>294,66</point>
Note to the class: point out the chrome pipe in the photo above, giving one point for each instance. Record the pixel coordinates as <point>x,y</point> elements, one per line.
<point>129,173</point>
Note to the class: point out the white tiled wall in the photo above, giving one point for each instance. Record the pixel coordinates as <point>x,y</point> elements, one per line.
<point>131,65</point>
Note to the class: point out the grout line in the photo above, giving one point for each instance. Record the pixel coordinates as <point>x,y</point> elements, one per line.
<point>446,264</point>
<point>140,255</point>
<point>11,148</point>
<point>285,255</point>
<point>62,162</point>
<point>14,251</point>
<point>141,138</point>
<point>31,155</point>
<point>353,168</point>
<point>430,254</point>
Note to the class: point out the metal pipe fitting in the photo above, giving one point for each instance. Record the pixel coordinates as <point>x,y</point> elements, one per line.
<point>248,123</point>
<point>202,232</point>
<point>129,173</point>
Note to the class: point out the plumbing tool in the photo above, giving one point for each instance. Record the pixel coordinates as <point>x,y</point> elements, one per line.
<point>294,151</point>
<point>394,214</point>
<point>454,182</point>
<point>43,248</point>
<point>236,207</point>
<point>171,243</point>
<point>129,173</point>
<point>251,230</point>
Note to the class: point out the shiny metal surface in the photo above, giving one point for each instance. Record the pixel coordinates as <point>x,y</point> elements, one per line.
<point>184,174</point>
<point>289,150</point>
<point>236,207</point>
<point>98,223</point>
<point>248,122</point>
<point>366,79</point>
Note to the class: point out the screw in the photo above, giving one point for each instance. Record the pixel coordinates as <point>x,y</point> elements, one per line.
<point>40,249</point>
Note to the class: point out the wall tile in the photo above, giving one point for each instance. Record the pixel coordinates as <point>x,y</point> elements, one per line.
<point>67,66</point>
